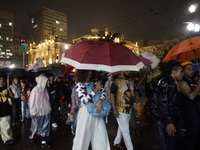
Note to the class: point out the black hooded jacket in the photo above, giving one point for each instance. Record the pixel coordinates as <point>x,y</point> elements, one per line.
<point>168,100</point>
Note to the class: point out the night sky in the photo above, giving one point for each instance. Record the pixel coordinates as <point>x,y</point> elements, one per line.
<point>137,19</point>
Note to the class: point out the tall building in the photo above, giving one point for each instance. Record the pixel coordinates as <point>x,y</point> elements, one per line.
<point>6,35</point>
<point>46,22</point>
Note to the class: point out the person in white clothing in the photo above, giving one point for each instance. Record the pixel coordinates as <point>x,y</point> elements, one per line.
<point>40,110</point>
<point>89,129</point>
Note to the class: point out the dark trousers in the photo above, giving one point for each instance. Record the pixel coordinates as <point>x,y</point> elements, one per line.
<point>166,142</point>
<point>16,108</point>
<point>192,138</point>
<point>54,110</point>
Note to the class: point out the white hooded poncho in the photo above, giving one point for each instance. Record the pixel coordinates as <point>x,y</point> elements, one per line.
<point>39,98</point>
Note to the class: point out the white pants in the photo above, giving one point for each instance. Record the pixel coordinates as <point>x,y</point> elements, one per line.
<point>90,129</point>
<point>124,131</point>
<point>5,129</point>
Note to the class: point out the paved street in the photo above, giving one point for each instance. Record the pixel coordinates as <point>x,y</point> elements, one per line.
<point>62,139</point>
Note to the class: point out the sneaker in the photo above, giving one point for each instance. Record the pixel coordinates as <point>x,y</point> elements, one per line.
<point>45,145</point>
<point>54,125</point>
<point>9,142</point>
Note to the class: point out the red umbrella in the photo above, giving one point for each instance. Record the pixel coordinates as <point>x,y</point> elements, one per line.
<point>100,55</point>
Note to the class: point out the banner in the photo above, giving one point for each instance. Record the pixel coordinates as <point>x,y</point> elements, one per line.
<point>36,65</point>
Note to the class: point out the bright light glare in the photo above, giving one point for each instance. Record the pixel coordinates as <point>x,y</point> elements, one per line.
<point>66,46</point>
<point>190,26</point>
<point>192,8</point>
<point>12,66</point>
<point>196,28</point>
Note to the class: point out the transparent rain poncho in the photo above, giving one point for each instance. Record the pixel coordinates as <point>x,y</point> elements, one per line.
<point>40,108</point>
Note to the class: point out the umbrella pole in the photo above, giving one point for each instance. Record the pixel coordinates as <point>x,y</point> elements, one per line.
<point>142,80</point>
<point>197,61</point>
<point>198,65</point>
<point>7,79</point>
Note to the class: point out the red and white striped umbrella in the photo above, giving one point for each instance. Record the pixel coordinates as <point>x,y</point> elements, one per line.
<point>100,55</point>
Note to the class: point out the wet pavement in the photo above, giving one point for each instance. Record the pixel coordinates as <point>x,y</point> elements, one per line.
<point>62,138</point>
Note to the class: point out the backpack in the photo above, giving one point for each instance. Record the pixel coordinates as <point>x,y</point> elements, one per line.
<point>90,107</point>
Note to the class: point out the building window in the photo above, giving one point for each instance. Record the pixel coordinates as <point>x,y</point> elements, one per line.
<point>7,56</point>
<point>0,25</point>
<point>1,45</point>
<point>32,20</point>
<point>7,38</point>
<point>35,26</point>
<point>57,22</point>
<point>11,39</point>
<point>61,29</point>
<point>10,24</point>
<point>7,50</point>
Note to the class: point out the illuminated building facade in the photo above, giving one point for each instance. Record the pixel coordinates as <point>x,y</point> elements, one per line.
<point>96,35</point>
<point>49,51</point>
<point>6,35</point>
<point>46,22</point>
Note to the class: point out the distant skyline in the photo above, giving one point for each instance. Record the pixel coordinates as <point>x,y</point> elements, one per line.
<point>136,19</point>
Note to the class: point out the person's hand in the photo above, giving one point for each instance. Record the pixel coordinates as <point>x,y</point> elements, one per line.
<point>9,101</point>
<point>170,129</point>
<point>8,88</point>
<point>99,106</point>
<point>98,86</point>
<point>115,113</point>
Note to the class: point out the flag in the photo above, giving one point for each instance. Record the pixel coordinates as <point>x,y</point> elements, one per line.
<point>36,65</point>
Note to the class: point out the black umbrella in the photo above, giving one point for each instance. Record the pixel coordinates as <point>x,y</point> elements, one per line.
<point>53,69</point>
<point>12,72</point>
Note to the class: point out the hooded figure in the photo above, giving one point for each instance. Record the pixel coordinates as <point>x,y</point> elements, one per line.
<point>40,110</point>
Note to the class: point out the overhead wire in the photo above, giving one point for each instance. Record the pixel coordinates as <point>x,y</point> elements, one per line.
<point>144,15</point>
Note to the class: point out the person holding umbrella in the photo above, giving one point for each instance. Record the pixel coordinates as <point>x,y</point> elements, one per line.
<point>89,128</point>
<point>5,119</point>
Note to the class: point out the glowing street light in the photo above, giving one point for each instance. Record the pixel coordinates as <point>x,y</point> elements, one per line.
<point>193,27</point>
<point>12,66</point>
<point>196,28</point>
<point>192,8</point>
<point>190,26</point>
<point>66,46</point>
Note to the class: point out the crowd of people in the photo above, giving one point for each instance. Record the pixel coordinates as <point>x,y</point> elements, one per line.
<point>39,101</point>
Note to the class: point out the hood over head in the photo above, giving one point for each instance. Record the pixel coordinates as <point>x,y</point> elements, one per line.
<point>41,81</point>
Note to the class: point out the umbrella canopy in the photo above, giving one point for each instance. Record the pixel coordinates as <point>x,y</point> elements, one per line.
<point>12,72</point>
<point>154,60</point>
<point>186,50</point>
<point>145,60</point>
<point>100,55</point>
<point>53,69</point>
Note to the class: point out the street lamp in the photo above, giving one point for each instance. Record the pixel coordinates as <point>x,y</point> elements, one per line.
<point>193,27</point>
<point>66,46</point>
<point>192,8</point>
<point>12,66</point>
